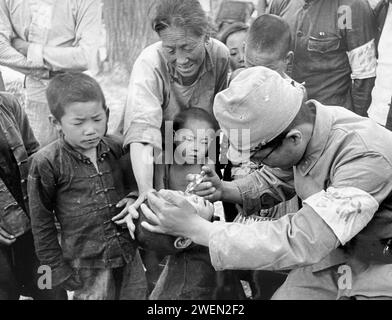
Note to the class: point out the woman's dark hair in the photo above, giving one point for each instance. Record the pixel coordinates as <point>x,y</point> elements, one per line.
<point>186,14</point>
<point>192,114</point>
<point>230,29</point>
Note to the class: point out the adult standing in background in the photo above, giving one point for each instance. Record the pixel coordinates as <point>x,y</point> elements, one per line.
<point>41,38</point>
<point>381,108</point>
<point>185,69</point>
<point>334,49</point>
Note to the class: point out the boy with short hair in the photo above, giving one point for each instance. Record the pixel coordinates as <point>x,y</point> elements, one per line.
<point>268,44</point>
<point>79,179</point>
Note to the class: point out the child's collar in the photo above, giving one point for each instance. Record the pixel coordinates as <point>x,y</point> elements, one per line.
<point>102,149</point>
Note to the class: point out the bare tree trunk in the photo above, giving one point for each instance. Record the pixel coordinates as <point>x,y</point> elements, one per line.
<point>128,32</point>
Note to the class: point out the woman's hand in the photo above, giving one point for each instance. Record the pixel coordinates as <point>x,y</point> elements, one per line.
<point>129,213</point>
<point>211,187</point>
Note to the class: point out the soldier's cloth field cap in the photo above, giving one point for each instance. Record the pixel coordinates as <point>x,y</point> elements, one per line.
<point>258,106</point>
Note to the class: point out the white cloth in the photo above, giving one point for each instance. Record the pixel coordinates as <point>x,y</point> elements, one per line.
<point>382,92</point>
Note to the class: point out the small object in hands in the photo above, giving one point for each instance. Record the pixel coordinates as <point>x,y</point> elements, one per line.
<point>162,243</point>
<point>388,249</point>
<point>196,181</point>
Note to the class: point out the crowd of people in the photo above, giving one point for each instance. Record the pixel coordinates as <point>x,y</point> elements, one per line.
<point>284,118</point>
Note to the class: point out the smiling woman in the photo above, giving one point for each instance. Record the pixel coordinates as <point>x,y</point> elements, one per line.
<point>185,69</point>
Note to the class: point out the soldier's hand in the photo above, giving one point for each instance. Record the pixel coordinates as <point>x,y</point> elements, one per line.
<point>211,188</point>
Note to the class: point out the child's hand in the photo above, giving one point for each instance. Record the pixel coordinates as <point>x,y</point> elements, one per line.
<point>126,216</point>
<point>129,213</point>
<point>211,187</point>
<point>6,238</point>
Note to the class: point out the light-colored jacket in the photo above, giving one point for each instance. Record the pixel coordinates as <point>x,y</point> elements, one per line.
<point>350,158</point>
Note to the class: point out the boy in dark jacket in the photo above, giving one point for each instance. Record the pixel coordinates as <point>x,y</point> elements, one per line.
<point>79,179</point>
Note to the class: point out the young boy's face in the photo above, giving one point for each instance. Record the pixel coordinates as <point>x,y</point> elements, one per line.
<point>84,124</point>
<point>192,141</point>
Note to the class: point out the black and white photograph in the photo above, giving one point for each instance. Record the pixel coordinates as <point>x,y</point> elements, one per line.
<point>197,155</point>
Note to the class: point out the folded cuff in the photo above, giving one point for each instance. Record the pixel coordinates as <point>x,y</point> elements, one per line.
<point>61,274</point>
<point>250,203</point>
<point>143,133</point>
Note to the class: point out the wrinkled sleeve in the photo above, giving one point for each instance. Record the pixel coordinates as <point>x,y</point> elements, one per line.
<point>41,189</point>
<point>143,111</point>
<point>265,188</point>
<point>295,240</point>
<point>84,54</point>
<point>276,7</point>
<point>9,56</point>
<point>328,219</point>
<point>361,52</point>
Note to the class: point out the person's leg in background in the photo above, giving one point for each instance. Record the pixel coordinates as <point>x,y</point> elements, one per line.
<point>131,283</point>
<point>152,262</point>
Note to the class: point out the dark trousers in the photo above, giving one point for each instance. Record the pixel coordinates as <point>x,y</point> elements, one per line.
<point>19,272</point>
<point>123,283</point>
